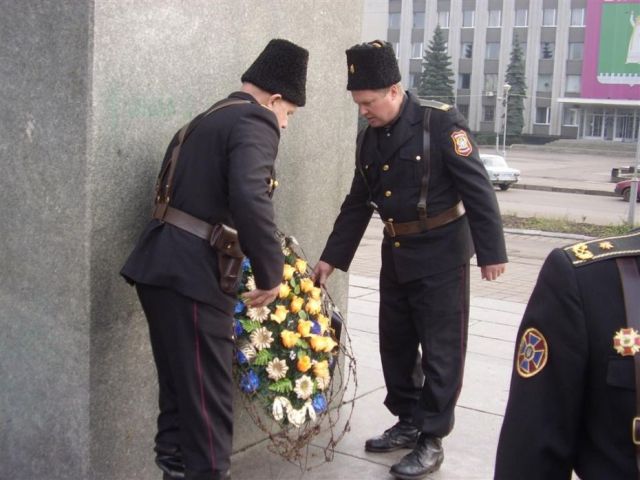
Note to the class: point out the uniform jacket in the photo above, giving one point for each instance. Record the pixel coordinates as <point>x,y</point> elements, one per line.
<point>224,173</point>
<point>575,410</point>
<point>394,172</point>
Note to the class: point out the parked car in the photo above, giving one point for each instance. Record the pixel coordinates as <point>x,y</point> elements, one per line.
<point>624,188</point>
<point>499,172</point>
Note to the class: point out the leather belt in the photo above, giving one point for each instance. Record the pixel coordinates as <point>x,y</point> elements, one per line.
<point>429,223</point>
<point>183,220</point>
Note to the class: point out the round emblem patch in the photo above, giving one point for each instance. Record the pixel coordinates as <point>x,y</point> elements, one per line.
<point>532,353</point>
<point>626,342</point>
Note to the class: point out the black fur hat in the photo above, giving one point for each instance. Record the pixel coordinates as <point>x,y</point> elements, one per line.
<point>371,66</point>
<point>281,68</point>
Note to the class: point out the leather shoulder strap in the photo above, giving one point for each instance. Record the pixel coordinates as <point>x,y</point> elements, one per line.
<point>359,142</point>
<point>426,167</point>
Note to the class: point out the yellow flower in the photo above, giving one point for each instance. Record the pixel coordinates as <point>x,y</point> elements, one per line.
<point>288,272</point>
<point>322,344</point>
<point>289,338</point>
<point>306,285</point>
<point>321,369</point>
<point>280,315</point>
<point>304,327</point>
<point>323,321</point>
<point>285,290</point>
<point>296,304</point>
<point>316,293</point>
<point>304,363</point>
<point>301,265</point>
<point>313,307</point>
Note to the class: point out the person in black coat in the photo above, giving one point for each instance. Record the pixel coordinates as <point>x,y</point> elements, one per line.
<point>421,192</point>
<point>225,175</point>
<point>572,401</point>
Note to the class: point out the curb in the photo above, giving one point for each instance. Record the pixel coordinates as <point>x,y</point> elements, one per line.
<point>545,188</point>
<point>542,233</point>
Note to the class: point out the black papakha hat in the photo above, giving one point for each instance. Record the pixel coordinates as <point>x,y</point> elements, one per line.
<point>281,68</point>
<point>371,66</point>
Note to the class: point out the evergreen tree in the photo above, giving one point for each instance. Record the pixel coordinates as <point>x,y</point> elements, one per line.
<point>436,80</point>
<point>517,93</point>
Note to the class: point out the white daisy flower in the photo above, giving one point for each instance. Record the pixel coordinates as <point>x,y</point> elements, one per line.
<point>323,382</point>
<point>293,355</point>
<point>251,283</point>
<point>259,314</point>
<point>297,417</point>
<point>277,369</point>
<point>261,338</point>
<point>304,387</point>
<point>279,407</point>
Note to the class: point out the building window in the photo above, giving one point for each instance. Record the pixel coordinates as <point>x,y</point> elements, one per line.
<point>396,48</point>
<point>443,19</point>
<point>493,51</point>
<point>495,18</point>
<point>418,19</point>
<point>464,81</point>
<point>576,51</point>
<point>546,50</point>
<point>467,18</point>
<point>490,82</point>
<point>543,115</point>
<point>549,17</point>
<point>394,21</point>
<point>544,83</point>
<point>414,80</point>
<point>570,117</point>
<point>521,17</point>
<point>577,17</point>
<point>417,50</point>
<point>573,84</point>
<point>467,50</point>
<point>488,113</point>
<point>464,110</point>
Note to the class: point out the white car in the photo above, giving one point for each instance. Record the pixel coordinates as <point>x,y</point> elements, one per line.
<point>499,172</point>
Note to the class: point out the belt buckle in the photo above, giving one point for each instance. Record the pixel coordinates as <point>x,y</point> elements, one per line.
<point>388,226</point>
<point>635,430</point>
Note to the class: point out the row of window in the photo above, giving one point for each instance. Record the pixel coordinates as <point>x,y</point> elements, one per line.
<point>521,19</point>
<point>543,114</point>
<point>492,50</point>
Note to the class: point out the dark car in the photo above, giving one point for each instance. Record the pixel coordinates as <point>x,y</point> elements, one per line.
<point>624,188</point>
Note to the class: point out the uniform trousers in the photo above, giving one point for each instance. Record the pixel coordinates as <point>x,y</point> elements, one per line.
<point>192,347</point>
<point>423,328</point>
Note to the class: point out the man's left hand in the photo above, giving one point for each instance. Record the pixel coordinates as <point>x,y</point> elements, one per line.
<point>491,272</point>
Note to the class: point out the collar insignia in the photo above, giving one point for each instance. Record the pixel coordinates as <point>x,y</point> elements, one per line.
<point>626,342</point>
<point>605,245</point>
<point>581,251</point>
<point>533,353</point>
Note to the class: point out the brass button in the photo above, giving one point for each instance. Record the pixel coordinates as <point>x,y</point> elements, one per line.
<point>390,220</point>
<point>396,244</point>
<point>387,193</point>
<point>366,167</point>
<point>385,167</point>
<point>418,158</point>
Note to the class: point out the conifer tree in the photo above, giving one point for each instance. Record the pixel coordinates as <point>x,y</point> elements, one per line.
<point>515,77</point>
<point>436,80</point>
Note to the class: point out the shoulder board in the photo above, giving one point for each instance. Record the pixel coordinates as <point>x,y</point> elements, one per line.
<point>585,253</point>
<point>434,104</point>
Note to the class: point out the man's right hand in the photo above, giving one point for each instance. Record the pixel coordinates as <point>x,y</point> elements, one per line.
<point>321,273</point>
<point>260,298</point>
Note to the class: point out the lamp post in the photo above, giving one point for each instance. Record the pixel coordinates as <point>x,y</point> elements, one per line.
<point>634,188</point>
<point>506,87</point>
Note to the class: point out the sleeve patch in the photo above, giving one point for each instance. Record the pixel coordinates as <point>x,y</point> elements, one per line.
<point>533,353</point>
<point>461,143</point>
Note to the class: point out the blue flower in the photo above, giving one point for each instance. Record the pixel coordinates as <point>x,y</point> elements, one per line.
<point>239,307</point>
<point>315,328</point>
<point>237,328</point>
<point>249,382</point>
<point>319,403</point>
<point>246,265</point>
<point>241,357</point>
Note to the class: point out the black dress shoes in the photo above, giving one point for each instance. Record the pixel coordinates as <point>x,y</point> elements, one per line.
<point>402,435</point>
<point>170,462</point>
<point>426,458</point>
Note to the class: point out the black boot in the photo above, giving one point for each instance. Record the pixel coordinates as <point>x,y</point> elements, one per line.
<point>426,458</point>
<point>402,435</point>
<point>169,460</point>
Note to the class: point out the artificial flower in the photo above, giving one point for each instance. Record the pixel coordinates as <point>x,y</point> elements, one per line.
<point>251,283</point>
<point>308,406</point>
<point>319,403</point>
<point>237,328</point>
<point>323,382</point>
<point>323,321</point>
<point>277,369</point>
<point>240,358</point>
<point>247,350</point>
<point>296,304</point>
<point>321,369</point>
<point>246,265</point>
<point>285,290</point>
<point>249,382</point>
<point>304,327</point>
<point>280,315</point>
<point>289,338</point>
<point>315,328</point>
<point>306,284</point>
<point>293,355</point>
<point>301,265</point>
<point>322,344</point>
<point>313,307</point>
<point>259,314</point>
<point>304,387</point>
<point>239,307</point>
<point>316,293</point>
<point>288,272</point>
<point>280,406</point>
<point>297,417</point>
<point>304,363</point>
<point>261,338</point>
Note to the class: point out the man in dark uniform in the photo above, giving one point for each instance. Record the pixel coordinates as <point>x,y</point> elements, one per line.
<point>573,399</point>
<point>419,169</point>
<point>225,175</point>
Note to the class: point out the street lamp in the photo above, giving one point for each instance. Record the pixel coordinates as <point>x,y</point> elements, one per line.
<point>506,87</point>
